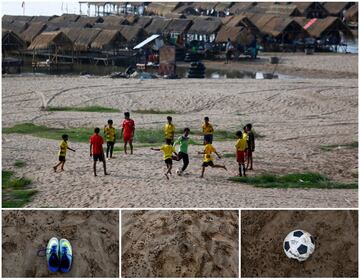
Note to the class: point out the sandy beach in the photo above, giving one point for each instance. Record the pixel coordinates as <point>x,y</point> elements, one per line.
<point>336,243</point>
<point>296,117</point>
<point>94,237</point>
<point>180,243</point>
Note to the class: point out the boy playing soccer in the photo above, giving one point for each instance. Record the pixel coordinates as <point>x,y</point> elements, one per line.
<point>183,142</point>
<point>251,145</point>
<point>208,131</point>
<point>208,159</point>
<point>168,150</point>
<point>62,152</point>
<point>169,130</point>
<point>241,146</point>
<point>96,150</point>
<point>110,133</point>
<point>128,130</point>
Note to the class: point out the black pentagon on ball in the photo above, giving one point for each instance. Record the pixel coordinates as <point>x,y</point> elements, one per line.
<point>298,233</point>
<point>312,240</point>
<point>287,246</point>
<point>302,249</point>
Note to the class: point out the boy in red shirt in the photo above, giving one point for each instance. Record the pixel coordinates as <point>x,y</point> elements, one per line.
<point>96,149</point>
<point>128,130</point>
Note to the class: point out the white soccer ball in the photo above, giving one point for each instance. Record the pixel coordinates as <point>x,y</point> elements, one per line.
<point>299,245</point>
<point>178,172</point>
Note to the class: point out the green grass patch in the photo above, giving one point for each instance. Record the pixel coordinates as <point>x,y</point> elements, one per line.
<point>294,180</point>
<point>19,163</point>
<point>155,112</point>
<point>229,155</point>
<point>15,191</point>
<point>94,109</point>
<point>352,145</point>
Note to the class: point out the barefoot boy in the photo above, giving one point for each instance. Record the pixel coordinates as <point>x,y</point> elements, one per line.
<point>183,142</point>
<point>208,159</point>
<point>62,152</point>
<point>128,130</point>
<point>168,150</point>
<point>208,131</point>
<point>96,149</point>
<point>169,130</point>
<point>251,145</point>
<point>110,133</point>
<point>241,146</point>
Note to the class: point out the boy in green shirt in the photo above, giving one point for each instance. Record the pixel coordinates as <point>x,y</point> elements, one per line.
<point>183,142</point>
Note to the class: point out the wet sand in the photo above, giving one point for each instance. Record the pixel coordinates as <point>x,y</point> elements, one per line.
<point>180,244</point>
<point>94,237</point>
<point>336,243</point>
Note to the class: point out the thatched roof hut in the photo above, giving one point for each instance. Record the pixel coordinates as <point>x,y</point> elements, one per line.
<point>178,26</point>
<point>320,28</point>
<point>51,40</point>
<point>157,26</point>
<point>242,7</point>
<point>132,34</point>
<point>34,29</point>
<point>65,18</point>
<point>223,6</point>
<point>238,34</point>
<point>11,41</point>
<point>352,14</point>
<point>44,19</point>
<point>108,40</point>
<point>310,9</point>
<point>206,27</point>
<point>72,32</point>
<point>85,37</point>
<point>89,21</point>
<point>336,8</point>
<point>175,15</point>
<point>186,10</point>
<point>143,22</point>
<point>113,21</point>
<point>204,6</point>
<point>161,8</point>
<point>16,26</point>
<point>10,18</point>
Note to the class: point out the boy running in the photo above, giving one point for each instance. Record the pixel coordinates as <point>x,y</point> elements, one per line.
<point>208,131</point>
<point>183,142</point>
<point>251,145</point>
<point>241,147</point>
<point>128,130</point>
<point>96,150</point>
<point>168,150</point>
<point>169,130</point>
<point>208,159</point>
<point>62,152</point>
<point>110,133</point>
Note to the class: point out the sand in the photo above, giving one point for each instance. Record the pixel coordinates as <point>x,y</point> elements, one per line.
<point>336,241</point>
<point>180,244</point>
<point>296,117</point>
<point>94,236</point>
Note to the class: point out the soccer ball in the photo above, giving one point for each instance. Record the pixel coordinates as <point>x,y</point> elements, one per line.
<point>178,172</point>
<point>299,245</point>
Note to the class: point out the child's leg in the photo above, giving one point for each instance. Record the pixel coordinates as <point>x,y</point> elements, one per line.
<point>111,149</point>
<point>240,173</point>
<point>202,172</point>
<point>244,169</point>
<point>107,149</point>
<point>185,162</point>
<point>169,168</point>
<point>56,166</point>
<point>125,146</point>
<point>62,165</point>
<point>104,164</point>
<point>131,146</point>
<point>94,167</point>
<point>251,161</point>
<point>218,166</point>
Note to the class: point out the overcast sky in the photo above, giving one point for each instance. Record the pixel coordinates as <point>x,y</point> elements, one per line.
<point>37,8</point>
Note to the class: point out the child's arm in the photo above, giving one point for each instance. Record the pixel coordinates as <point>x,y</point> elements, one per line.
<point>175,153</point>
<point>90,149</point>
<point>154,149</point>
<point>201,153</point>
<point>217,154</point>
<point>122,131</point>
<point>71,149</point>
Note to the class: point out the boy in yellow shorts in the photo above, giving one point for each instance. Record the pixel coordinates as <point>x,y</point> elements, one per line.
<point>110,135</point>
<point>208,159</point>
<point>241,147</point>
<point>168,150</point>
<point>64,146</point>
<point>169,130</point>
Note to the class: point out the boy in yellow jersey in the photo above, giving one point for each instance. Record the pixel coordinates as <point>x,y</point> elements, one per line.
<point>168,150</point>
<point>208,159</point>
<point>241,146</point>
<point>62,152</point>
<point>110,135</point>
<point>208,131</point>
<point>169,130</point>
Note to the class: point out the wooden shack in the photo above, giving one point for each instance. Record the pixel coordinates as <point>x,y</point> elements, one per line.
<point>203,30</point>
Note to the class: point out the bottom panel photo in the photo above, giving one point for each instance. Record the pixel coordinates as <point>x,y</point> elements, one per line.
<point>180,243</point>
<point>56,243</point>
<point>299,243</point>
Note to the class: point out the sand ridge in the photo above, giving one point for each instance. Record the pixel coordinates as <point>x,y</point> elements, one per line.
<point>296,117</point>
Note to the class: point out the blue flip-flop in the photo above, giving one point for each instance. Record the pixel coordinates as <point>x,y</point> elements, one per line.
<point>66,256</point>
<point>52,254</point>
